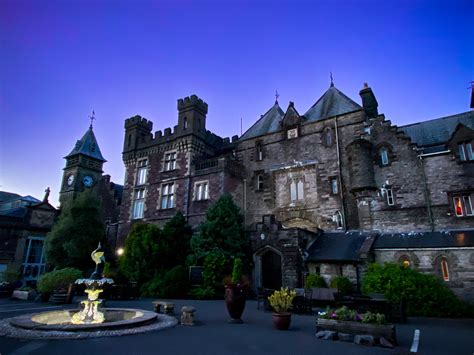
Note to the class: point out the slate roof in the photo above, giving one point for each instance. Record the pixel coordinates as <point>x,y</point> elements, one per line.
<point>445,239</point>
<point>87,145</point>
<point>7,196</point>
<point>433,134</point>
<point>268,123</point>
<point>336,247</point>
<point>18,212</point>
<point>332,103</point>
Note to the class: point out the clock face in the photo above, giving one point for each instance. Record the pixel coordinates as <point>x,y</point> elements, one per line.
<point>87,181</point>
<point>70,180</point>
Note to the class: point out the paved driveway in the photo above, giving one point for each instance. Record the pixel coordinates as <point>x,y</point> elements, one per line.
<point>213,335</point>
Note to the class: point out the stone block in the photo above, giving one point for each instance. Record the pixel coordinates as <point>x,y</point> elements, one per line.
<point>346,337</point>
<point>326,335</point>
<point>385,343</point>
<point>364,340</point>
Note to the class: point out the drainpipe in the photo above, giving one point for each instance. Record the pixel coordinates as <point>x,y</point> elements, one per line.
<point>343,209</point>
<point>427,194</point>
<point>188,197</point>
<point>245,203</point>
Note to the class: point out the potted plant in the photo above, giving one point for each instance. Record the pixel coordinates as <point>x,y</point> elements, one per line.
<point>281,303</point>
<point>236,292</point>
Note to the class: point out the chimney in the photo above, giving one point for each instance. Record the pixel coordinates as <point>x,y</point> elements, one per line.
<point>369,102</point>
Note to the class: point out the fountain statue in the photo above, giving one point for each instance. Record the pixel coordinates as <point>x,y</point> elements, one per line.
<point>91,313</point>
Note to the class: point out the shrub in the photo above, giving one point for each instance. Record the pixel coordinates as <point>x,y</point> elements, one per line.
<point>315,281</point>
<point>281,300</point>
<point>237,271</point>
<point>424,294</point>
<point>342,283</point>
<point>58,279</point>
<point>215,266</point>
<point>346,314</point>
<point>172,284</point>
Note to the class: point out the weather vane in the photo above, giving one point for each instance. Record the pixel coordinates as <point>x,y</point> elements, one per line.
<point>277,95</point>
<point>92,118</point>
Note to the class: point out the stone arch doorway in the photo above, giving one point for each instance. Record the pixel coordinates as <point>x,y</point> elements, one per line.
<point>268,263</point>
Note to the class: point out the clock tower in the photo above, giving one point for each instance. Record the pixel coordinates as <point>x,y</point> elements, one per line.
<point>83,167</point>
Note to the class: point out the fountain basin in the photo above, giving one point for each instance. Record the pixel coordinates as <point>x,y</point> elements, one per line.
<point>115,318</point>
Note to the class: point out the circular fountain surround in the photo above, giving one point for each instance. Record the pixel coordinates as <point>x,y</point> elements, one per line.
<point>115,318</point>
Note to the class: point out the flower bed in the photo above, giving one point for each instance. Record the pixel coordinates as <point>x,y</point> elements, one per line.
<point>344,320</point>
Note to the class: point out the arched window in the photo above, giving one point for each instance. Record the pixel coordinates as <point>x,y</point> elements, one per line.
<point>383,154</point>
<point>444,269</point>
<point>337,219</point>
<point>327,137</point>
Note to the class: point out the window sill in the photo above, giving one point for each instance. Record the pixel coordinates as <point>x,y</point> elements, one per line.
<point>202,200</point>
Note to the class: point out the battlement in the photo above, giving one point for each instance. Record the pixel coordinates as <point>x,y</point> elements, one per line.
<point>138,121</point>
<point>192,102</point>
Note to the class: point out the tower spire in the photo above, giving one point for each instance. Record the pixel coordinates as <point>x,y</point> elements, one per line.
<point>277,95</point>
<point>92,118</point>
<point>332,79</point>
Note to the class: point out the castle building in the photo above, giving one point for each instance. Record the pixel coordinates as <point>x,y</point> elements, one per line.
<point>327,191</point>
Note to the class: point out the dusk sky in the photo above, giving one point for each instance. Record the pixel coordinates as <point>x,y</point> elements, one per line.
<point>59,60</point>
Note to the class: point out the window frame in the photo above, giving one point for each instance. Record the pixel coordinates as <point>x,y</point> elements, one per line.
<point>334,183</point>
<point>444,268</point>
<point>170,160</point>
<point>389,196</point>
<point>260,182</point>
<point>459,203</point>
<point>167,200</point>
<point>138,204</point>
<point>297,190</point>
<point>199,193</point>
<point>465,151</point>
<point>142,172</point>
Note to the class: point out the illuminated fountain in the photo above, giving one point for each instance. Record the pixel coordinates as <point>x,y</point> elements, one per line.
<point>91,313</point>
<point>93,320</point>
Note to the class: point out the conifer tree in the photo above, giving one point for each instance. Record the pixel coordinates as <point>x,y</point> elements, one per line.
<point>76,233</point>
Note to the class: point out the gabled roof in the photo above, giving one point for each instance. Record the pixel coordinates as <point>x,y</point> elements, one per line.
<point>434,134</point>
<point>87,145</point>
<point>268,123</point>
<point>291,117</point>
<point>332,103</point>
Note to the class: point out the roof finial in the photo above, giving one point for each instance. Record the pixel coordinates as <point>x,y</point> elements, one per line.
<point>92,118</point>
<point>277,95</point>
<point>46,195</point>
<point>332,79</point>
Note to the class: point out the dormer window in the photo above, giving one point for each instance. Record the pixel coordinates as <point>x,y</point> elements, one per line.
<point>465,151</point>
<point>292,133</point>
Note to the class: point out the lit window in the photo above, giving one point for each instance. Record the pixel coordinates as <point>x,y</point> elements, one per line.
<point>463,205</point>
<point>465,151</point>
<point>138,204</point>
<point>292,133</point>
<point>170,161</point>
<point>334,186</point>
<point>142,172</point>
<point>444,269</point>
<point>34,261</point>
<point>296,190</point>
<point>260,182</point>
<point>390,199</point>
<point>185,123</point>
<point>167,196</point>
<point>201,191</point>
<point>384,156</point>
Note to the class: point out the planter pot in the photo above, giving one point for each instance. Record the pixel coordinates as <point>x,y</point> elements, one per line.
<point>386,331</point>
<point>235,302</point>
<point>24,295</point>
<point>281,321</point>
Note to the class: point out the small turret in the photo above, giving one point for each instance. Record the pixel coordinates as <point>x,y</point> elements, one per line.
<point>369,102</point>
<point>192,113</point>
<point>136,128</point>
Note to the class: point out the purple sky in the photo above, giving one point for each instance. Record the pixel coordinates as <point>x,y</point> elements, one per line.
<point>61,59</point>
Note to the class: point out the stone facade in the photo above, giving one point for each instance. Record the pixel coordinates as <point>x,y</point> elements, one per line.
<point>340,166</point>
